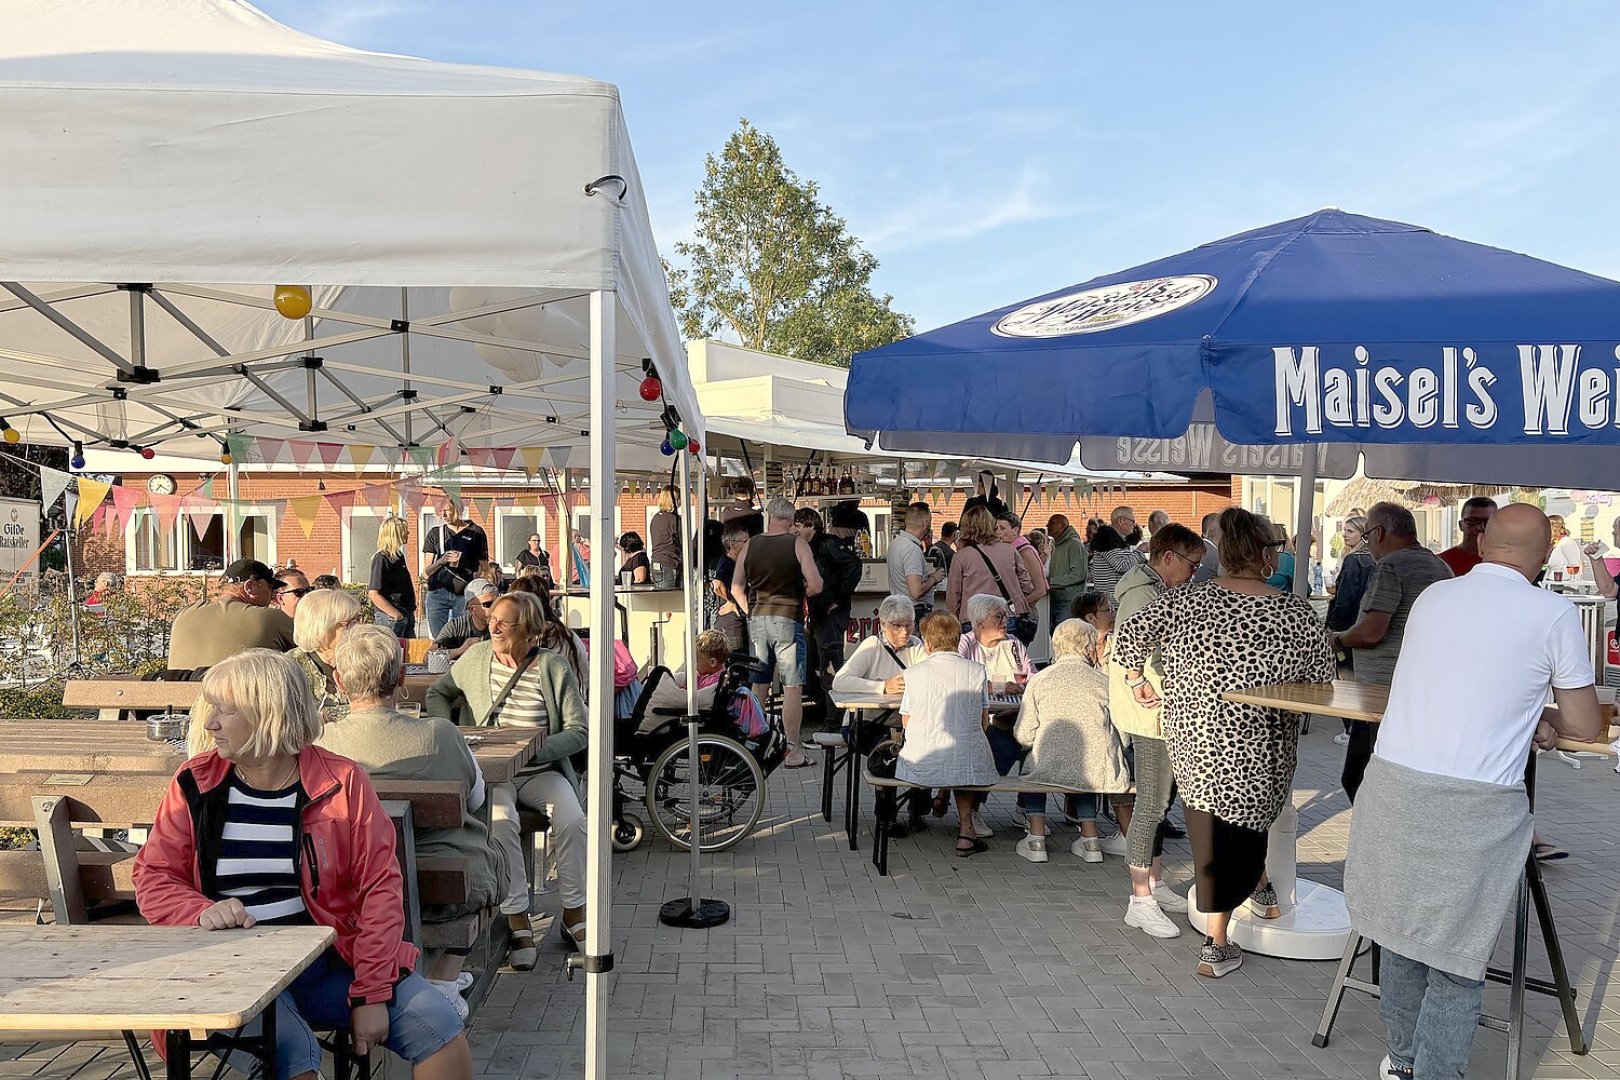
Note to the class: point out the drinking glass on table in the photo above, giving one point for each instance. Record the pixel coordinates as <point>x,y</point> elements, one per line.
<point>409,708</point>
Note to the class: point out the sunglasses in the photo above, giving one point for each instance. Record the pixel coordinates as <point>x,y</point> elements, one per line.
<point>300,593</point>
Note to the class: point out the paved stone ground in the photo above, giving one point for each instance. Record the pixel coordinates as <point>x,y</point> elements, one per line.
<point>989,967</point>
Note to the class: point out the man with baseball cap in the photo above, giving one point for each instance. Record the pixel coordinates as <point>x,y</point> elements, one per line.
<point>461,632</point>
<point>239,617</point>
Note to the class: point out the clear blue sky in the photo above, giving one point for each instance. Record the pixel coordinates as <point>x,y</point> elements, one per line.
<point>990,152</point>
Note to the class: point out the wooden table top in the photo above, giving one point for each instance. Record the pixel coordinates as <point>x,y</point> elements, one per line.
<point>95,980</point>
<point>100,746</point>
<point>998,702</point>
<point>1353,700</point>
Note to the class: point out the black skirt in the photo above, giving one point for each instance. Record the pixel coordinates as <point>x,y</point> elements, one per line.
<point>1228,860</point>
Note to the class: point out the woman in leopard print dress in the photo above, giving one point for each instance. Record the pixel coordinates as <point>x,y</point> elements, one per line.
<point>1234,763</point>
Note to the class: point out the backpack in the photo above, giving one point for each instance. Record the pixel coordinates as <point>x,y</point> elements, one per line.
<point>840,566</point>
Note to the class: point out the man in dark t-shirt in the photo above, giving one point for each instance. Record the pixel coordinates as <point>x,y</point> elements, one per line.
<point>739,512</point>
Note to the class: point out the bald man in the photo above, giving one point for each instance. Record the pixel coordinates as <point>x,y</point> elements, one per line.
<point>1481,653</point>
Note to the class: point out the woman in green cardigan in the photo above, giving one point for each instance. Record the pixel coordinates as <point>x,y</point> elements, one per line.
<point>510,681</point>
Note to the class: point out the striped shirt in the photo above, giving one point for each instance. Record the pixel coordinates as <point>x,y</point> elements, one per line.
<point>1107,567</point>
<point>524,706</point>
<point>256,863</point>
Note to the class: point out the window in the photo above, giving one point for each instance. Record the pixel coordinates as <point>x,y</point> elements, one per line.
<point>360,527</point>
<point>147,549</point>
<point>513,527</point>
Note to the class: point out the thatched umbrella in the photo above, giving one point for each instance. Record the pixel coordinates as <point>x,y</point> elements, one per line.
<point>1362,492</point>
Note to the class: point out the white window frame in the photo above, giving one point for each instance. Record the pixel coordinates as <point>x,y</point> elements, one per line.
<point>185,537</point>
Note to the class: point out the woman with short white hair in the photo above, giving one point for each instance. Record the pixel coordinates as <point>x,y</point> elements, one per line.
<point>988,643</point>
<point>878,666</point>
<point>1064,739</point>
<point>265,828</point>
<point>391,745</point>
<point>322,617</point>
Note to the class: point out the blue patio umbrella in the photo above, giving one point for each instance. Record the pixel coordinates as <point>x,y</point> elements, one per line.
<point>1328,328</point>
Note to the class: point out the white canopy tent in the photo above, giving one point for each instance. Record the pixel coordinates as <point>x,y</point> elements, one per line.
<point>476,241</point>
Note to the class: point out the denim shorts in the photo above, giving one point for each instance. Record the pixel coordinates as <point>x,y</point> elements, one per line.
<point>778,642</point>
<point>421,1020</point>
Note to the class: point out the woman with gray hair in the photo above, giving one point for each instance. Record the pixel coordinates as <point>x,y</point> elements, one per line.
<point>322,618</point>
<point>391,745</point>
<point>1006,664</point>
<point>1064,740</point>
<point>225,853</point>
<point>878,666</point>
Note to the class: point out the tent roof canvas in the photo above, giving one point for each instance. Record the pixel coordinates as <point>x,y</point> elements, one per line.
<point>201,147</point>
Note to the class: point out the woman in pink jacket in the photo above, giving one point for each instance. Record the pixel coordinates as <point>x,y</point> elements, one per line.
<point>984,564</point>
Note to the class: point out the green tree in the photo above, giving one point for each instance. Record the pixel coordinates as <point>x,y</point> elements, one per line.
<point>774,265</point>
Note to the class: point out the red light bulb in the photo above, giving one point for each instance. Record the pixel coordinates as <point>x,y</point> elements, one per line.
<point>694,446</point>
<point>651,388</point>
<point>148,453</point>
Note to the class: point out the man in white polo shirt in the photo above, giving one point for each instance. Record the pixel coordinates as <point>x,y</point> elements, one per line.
<point>1480,654</point>
<point>909,572</point>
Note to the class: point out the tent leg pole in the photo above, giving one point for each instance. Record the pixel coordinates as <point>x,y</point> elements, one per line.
<point>233,519</point>
<point>597,959</point>
<point>1305,520</point>
<point>692,911</point>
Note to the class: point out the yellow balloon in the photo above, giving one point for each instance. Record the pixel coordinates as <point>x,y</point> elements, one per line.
<point>12,435</point>
<point>293,301</point>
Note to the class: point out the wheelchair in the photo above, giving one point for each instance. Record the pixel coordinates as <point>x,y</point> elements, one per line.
<point>652,767</point>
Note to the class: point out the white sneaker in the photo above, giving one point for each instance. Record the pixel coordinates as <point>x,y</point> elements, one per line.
<point>1342,738</point>
<point>1032,848</point>
<point>1145,915</point>
<point>452,995</point>
<point>1115,845</point>
<point>980,828</point>
<point>1168,899</point>
<point>1089,848</point>
<point>465,980</point>
<point>1388,1071</point>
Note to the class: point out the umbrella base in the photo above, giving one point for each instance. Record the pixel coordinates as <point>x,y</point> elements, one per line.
<point>708,913</point>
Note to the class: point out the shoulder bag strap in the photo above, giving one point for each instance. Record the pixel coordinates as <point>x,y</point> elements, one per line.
<point>893,655</point>
<point>1005,595</point>
<point>506,691</point>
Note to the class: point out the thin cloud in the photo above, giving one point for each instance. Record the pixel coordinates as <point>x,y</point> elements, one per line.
<point>943,216</point>
<point>339,19</point>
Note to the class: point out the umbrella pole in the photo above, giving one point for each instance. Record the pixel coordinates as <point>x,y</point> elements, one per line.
<point>692,911</point>
<point>1305,522</point>
<point>597,958</point>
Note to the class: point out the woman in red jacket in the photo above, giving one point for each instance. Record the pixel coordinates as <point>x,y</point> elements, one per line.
<point>268,829</point>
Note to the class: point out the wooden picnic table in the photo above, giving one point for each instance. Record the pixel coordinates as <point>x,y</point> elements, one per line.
<point>96,981</point>
<point>1354,700</point>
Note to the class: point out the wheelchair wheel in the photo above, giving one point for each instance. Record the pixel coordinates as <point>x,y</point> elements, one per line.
<point>730,792</point>
<point>628,833</point>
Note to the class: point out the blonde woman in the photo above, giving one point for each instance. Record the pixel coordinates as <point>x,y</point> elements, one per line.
<point>392,592</point>
<point>664,534</point>
<point>511,680</point>
<point>244,802</point>
<point>322,617</point>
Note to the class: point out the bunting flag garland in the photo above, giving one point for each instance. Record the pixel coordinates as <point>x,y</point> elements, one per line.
<point>124,500</point>
<point>306,510</point>
<point>200,510</point>
<point>447,453</point>
<point>561,456</point>
<point>270,450</point>
<point>301,452</point>
<point>532,456</point>
<point>340,501</point>
<point>165,511</point>
<point>52,483</point>
<point>239,447</point>
<point>330,452</point>
<point>502,458</point>
<point>91,495</point>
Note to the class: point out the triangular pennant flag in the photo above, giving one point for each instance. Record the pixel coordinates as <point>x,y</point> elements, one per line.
<point>52,482</point>
<point>301,451</point>
<point>414,498</point>
<point>124,500</point>
<point>91,495</point>
<point>306,510</point>
<point>360,456</point>
<point>340,501</point>
<point>422,456</point>
<point>269,450</point>
<point>503,458</point>
<point>200,510</point>
<point>481,457</point>
<point>102,522</point>
<point>166,511</point>
<point>329,452</point>
<point>207,487</point>
<point>532,457</point>
<point>451,487</point>
<point>447,453</point>
<point>239,447</point>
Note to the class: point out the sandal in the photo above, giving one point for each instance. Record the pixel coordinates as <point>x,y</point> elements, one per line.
<point>976,846</point>
<point>573,936</point>
<point>521,952</point>
<point>1546,852</point>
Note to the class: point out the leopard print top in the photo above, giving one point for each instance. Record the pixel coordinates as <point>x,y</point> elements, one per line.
<point>1234,761</point>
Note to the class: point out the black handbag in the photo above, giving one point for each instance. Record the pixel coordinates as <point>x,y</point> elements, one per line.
<point>1022,627</point>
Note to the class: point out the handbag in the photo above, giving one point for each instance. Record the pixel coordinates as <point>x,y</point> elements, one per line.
<point>1022,627</point>
<point>493,719</point>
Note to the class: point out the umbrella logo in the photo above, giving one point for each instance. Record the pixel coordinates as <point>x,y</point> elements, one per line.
<point>1106,308</point>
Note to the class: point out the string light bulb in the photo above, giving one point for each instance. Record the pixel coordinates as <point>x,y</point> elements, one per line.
<point>677,439</point>
<point>652,388</point>
<point>9,433</point>
<point>666,448</point>
<point>148,453</point>
<point>77,461</point>
<point>694,447</point>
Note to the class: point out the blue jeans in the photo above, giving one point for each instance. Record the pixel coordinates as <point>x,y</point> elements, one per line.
<point>421,1020</point>
<point>401,628</point>
<point>441,606</point>
<point>1430,1016</point>
<point>778,642</point>
<point>1007,752</point>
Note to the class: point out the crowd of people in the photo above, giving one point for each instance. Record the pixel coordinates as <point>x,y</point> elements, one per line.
<point>1145,633</point>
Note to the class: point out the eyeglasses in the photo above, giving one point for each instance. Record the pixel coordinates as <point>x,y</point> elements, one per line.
<point>905,626</point>
<point>1194,563</point>
<point>485,604</point>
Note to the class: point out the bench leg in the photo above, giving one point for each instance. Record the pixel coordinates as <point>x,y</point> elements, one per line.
<point>828,772</point>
